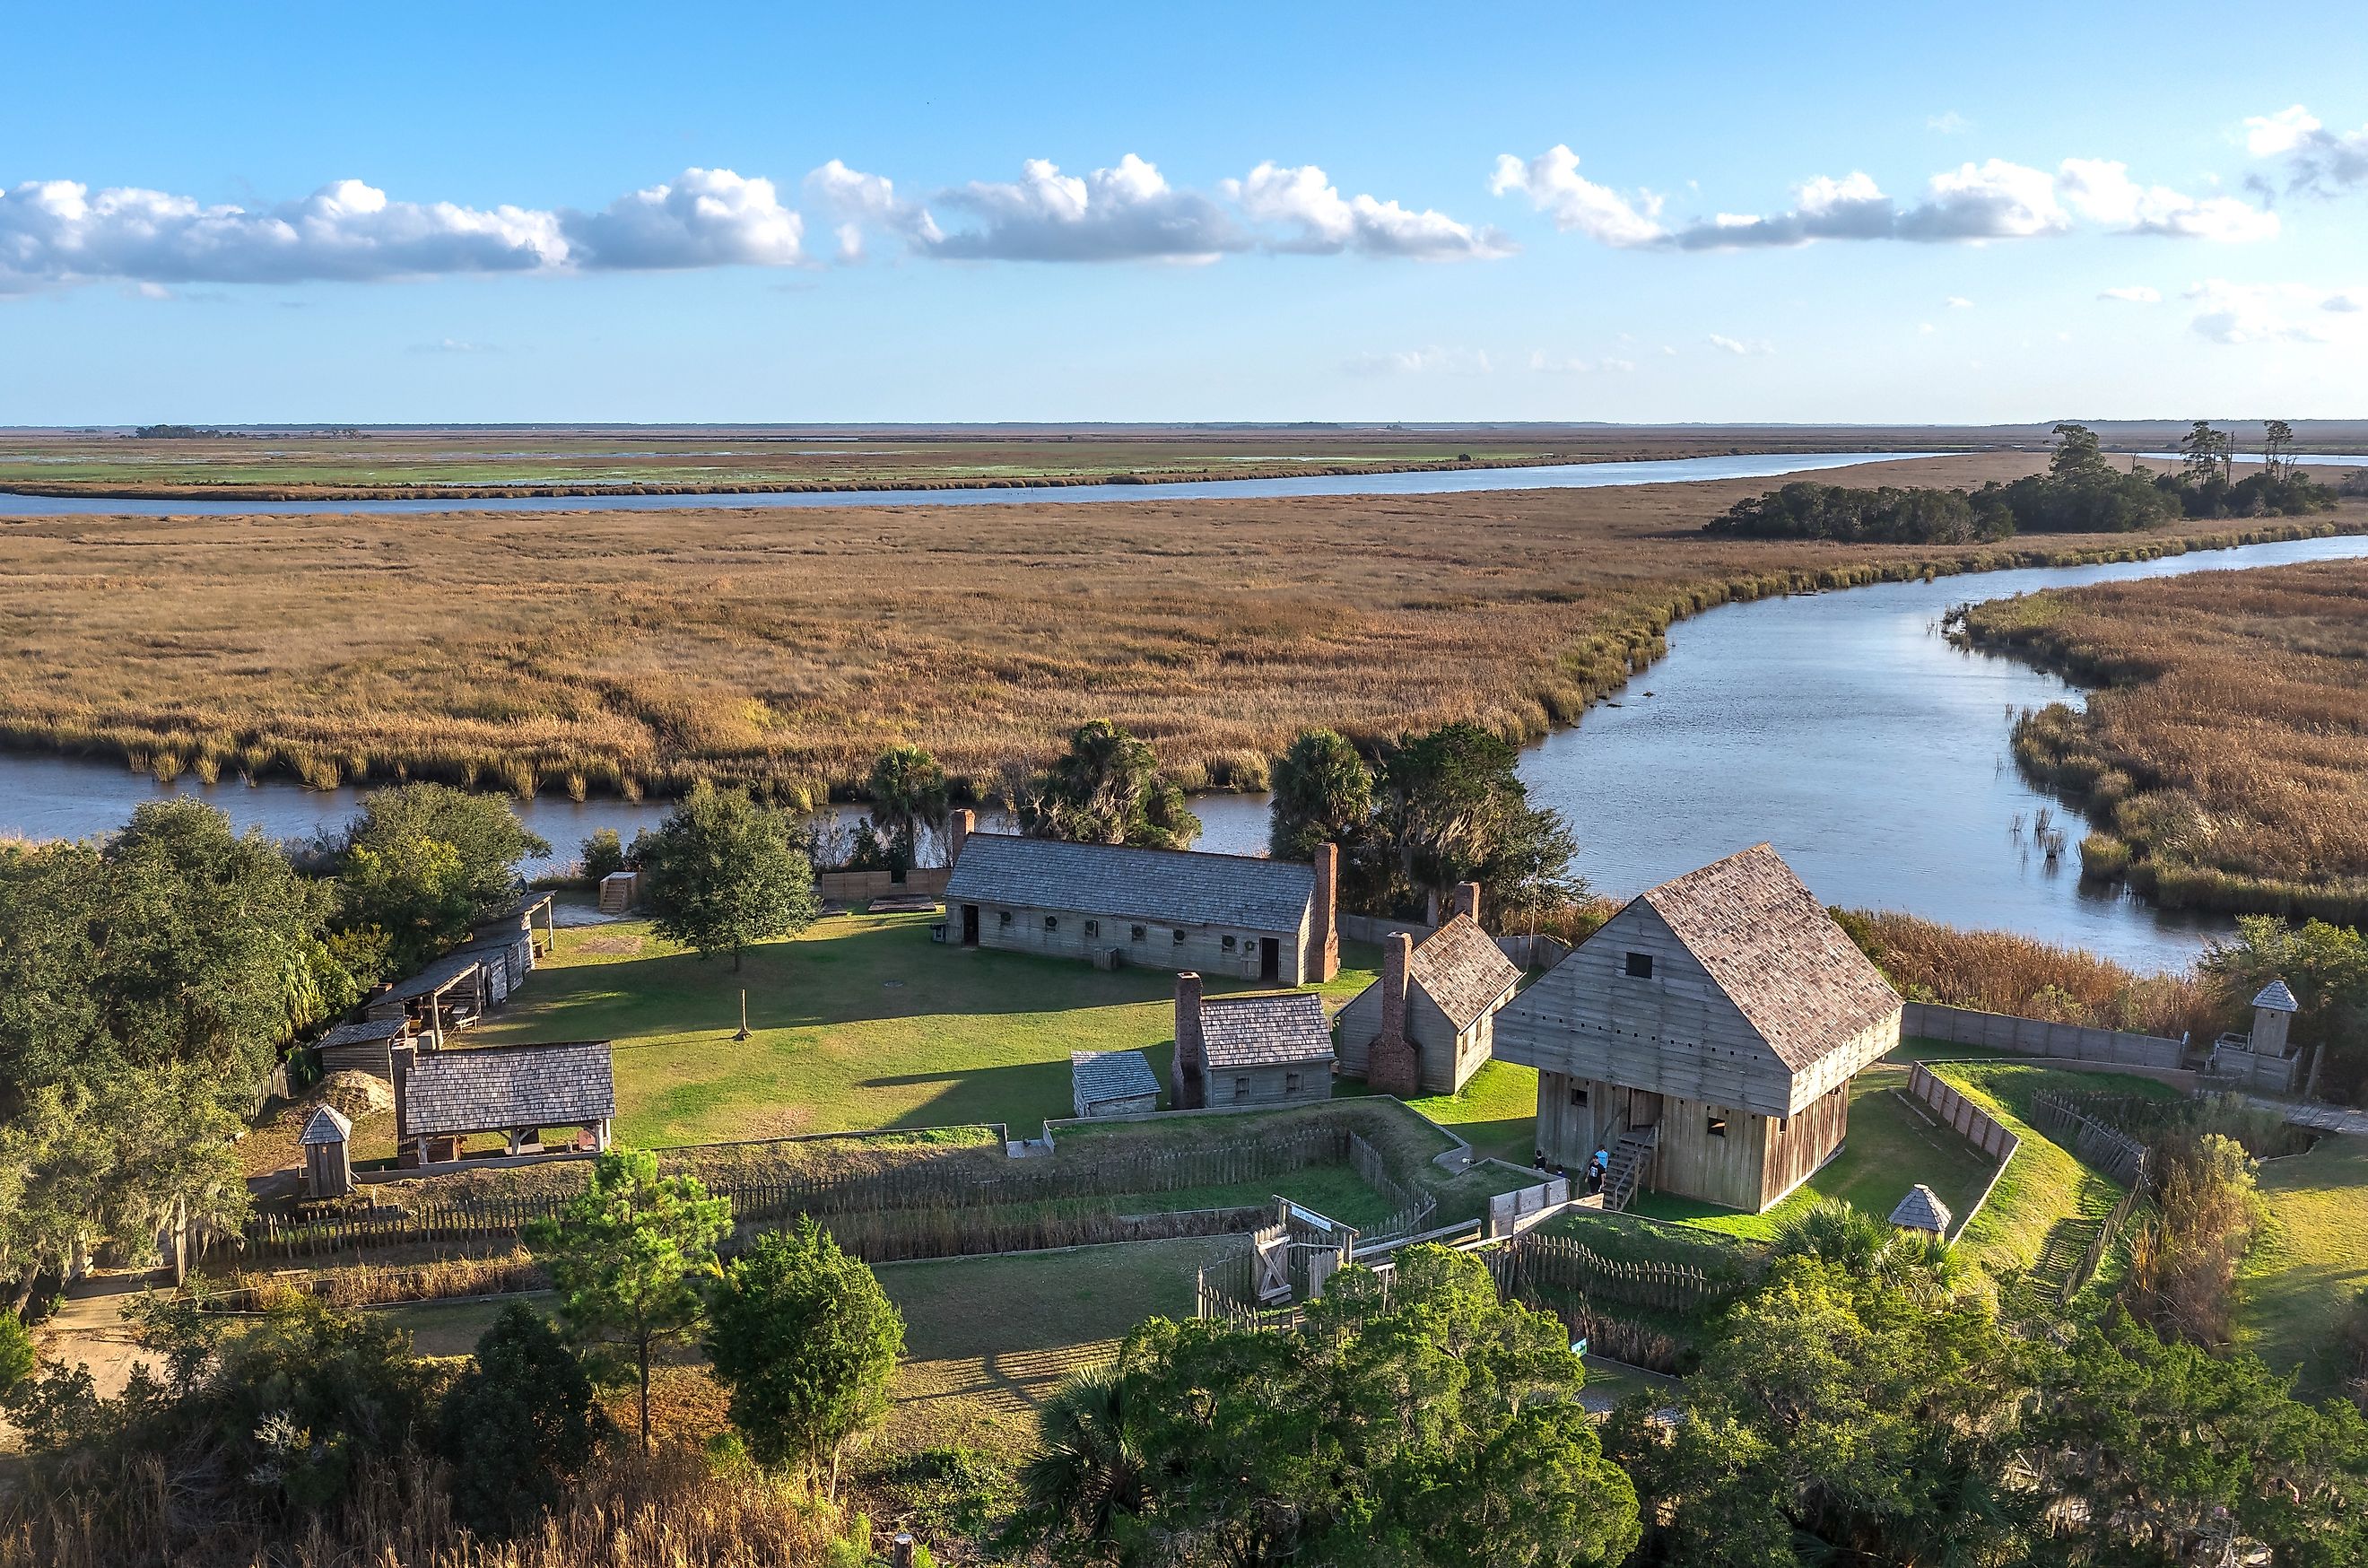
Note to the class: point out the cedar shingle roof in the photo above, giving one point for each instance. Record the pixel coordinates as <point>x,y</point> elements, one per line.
<point>2277,998</point>
<point>508,1086</point>
<point>435,976</point>
<point>1461,969</point>
<point>1769,945</point>
<point>365,1031</point>
<point>1098,1076</point>
<point>1921,1209</point>
<point>1160,885</point>
<point>326,1125</point>
<point>1263,1031</point>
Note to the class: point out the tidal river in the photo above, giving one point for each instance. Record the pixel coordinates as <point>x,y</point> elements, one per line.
<point>1841,727</point>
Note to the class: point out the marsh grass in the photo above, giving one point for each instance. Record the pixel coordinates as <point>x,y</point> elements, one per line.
<point>627,652</point>
<point>2005,972</point>
<point>2225,760</point>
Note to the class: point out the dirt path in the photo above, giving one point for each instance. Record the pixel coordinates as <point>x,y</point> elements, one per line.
<point>90,1329</point>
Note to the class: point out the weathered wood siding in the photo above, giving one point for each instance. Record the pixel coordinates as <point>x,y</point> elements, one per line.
<point>1692,1162</point>
<point>1798,1144</point>
<point>1445,1061</point>
<point>1203,949</point>
<point>1231,1088</point>
<point>1675,1033</point>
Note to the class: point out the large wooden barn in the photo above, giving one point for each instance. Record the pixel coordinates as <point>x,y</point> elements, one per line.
<point>1707,1034</point>
<point>1237,916</point>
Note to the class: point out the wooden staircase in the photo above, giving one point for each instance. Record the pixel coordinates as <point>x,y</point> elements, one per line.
<point>1632,1162</point>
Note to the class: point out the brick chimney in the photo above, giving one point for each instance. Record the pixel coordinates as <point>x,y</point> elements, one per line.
<point>1324,924</point>
<point>1186,1077</point>
<point>400,1057</point>
<point>1391,1069</point>
<point>959,825</point>
<point>1467,900</point>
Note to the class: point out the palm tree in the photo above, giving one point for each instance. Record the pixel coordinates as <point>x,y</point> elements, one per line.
<point>1915,1263</point>
<point>1088,1472</point>
<point>908,795</point>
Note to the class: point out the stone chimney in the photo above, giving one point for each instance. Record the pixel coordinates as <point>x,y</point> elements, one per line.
<point>1467,900</point>
<point>400,1056</point>
<point>959,825</point>
<point>1392,1069</point>
<point>1324,923</point>
<point>1186,1074</point>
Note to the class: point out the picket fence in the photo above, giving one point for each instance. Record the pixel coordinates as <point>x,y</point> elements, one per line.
<point>1537,1266</point>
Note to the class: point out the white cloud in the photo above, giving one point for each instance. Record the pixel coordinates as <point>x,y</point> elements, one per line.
<point>1324,222</point>
<point>1925,328</point>
<point>1958,303</point>
<point>2271,313</point>
<point>1431,361</point>
<point>2135,294</point>
<point>2316,157</point>
<point>1949,122</point>
<point>1577,365</point>
<point>61,231</point>
<point>1995,200</point>
<point>705,218</point>
<point>859,199</point>
<point>1126,214</point>
<point>1555,187</point>
<point>2101,191</point>
<point>1741,345</point>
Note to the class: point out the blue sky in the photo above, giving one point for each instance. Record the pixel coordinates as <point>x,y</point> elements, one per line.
<point>605,213</point>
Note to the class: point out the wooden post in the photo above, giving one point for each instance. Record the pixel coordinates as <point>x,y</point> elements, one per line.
<point>743,1034</point>
<point>900,1554</point>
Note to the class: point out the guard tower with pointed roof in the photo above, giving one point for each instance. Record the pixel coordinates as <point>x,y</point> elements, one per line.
<point>329,1160</point>
<point>1706,1035</point>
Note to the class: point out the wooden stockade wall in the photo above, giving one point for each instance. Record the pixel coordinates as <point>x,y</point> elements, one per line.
<point>1538,1265</point>
<point>2086,1269</point>
<point>1977,1126</point>
<point>860,887</point>
<point>2036,1037</point>
<point>1410,1207</point>
<point>956,1191</point>
<point>2106,1148</point>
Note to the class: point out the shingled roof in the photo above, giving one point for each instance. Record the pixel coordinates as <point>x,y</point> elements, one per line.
<point>326,1125</point>
<point>494,1090</point>
<point>1921,1209</point>
<point>2277,998</point>
<point>1265,1031</point>
<point>1171,886</point>
<point>1460,968</point>
<point>1799,980</point>
<point>1097,1075</point>
<point>435,976</point>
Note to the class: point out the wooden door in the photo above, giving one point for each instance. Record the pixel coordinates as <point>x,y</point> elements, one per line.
<point>970,926</point>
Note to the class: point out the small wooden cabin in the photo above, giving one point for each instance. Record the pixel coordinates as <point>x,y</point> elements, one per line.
<point>1249,1050</point>
<point>1111,1083</point>
<point>1426,1025</point>
<point>1705,1036</point>
<point>328,1158</point>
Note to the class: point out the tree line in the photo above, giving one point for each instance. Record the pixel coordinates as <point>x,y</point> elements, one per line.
<point>2079,493</point>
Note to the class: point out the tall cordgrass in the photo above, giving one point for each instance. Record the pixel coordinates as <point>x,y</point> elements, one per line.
<point>2003,971</point>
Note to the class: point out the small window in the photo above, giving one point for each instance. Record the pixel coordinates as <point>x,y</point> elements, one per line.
<point>1290,1083</point>
<point>1228,944</point>
<point>1179,938</point>
<point>1718,1127</point>
<point>1241,1088</point>
<point>1640,966</point>
<point>1578,1098</point>
<point>1052,923</point>
<point>1093,927</point>
<point>1003,918</point>
<point>1134,933</point>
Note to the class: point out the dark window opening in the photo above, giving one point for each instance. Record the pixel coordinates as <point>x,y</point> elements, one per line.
<point>1718,1127</point>
<point>1052,923</point>
<point>1579,1098</point>
<point>1003,918</point>
<point>1179,938</point>
<point>1241,1088</point>
<point>1229,944</point>
<point>1290,1083</point>
<point>1134,933</point>
<point>1093,927</point>
<point>1640,966</point>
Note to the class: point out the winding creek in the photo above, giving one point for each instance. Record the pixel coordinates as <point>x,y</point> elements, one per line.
<point>1841,727</point>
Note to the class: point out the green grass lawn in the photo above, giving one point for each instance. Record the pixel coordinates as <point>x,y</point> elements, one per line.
<point>1890,1148</point>
<point>1496,1112</point>
<point>2310,1262</point>
<point>958,1307</point>
<point>861,1022</point>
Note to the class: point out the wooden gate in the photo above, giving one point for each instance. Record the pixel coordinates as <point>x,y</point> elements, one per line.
<point>1273,1245</point>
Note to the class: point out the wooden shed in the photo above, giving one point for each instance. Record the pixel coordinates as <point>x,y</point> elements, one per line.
<point>1426,1025</point>
<point>1111,1083</point>
<point>1705,1036</point>
<point>1249,1050</point>
<point>444,1097</point>
<point>328,1159</point>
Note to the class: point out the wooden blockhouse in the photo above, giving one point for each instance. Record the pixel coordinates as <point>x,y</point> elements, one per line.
<point>1705,1036</point>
